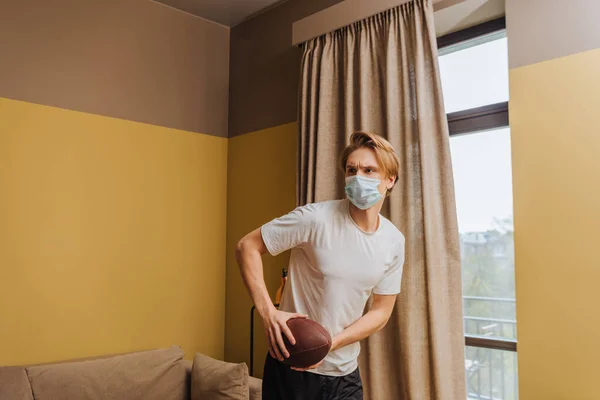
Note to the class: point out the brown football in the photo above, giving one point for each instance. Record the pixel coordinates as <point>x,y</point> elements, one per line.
<point>313,342</point>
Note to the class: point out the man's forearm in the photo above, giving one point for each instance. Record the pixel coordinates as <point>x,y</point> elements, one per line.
<point>364,327</point>
<point>251,269</point>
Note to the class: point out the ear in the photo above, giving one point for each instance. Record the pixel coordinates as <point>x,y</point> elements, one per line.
<point>391,181</point>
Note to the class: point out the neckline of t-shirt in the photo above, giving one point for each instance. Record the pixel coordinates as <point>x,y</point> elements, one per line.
<point>347,206</point>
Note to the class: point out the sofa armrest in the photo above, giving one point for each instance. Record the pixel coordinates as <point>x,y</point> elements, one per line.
<point>255,385</point>
<point>213,378</point>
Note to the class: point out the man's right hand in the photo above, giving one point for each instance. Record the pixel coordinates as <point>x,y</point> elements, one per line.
<point>275,323</point>
<point>248,253</point>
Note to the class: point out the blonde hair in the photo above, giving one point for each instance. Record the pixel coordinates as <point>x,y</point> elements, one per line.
<point>385,153</point>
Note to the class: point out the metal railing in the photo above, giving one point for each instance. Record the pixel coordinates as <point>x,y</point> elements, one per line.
<point>491,332</point>
<point>490,356</point>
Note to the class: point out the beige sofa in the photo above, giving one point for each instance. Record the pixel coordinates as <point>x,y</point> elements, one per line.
<point>160,374</point>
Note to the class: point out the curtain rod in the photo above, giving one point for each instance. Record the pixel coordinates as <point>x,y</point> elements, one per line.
<point>346,13</point>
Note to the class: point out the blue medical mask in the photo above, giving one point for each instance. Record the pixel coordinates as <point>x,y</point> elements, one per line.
<point>363,192</point>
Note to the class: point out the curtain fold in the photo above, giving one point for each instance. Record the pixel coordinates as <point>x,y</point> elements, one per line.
<point>381,75</point>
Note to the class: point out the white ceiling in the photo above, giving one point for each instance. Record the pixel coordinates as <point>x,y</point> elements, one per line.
<point>225,12</point>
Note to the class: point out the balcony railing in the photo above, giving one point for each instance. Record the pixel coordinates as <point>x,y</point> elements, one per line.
<point>490,356</point>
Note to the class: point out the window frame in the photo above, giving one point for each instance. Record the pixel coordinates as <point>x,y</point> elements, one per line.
<point>488,117</point>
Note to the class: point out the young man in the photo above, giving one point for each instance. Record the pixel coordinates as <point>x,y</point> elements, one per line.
<point>342,252</point>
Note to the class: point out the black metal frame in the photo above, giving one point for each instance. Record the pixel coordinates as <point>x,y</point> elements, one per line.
<point>494,344</point>
<point>473,32</point>
<point>252,340</point>
<point>474,120</point>
<point>251,368</point>
<point>478,119</point>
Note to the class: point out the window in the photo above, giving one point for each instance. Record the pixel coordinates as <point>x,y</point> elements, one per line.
<point>474,72</point>
<point>475,76</point>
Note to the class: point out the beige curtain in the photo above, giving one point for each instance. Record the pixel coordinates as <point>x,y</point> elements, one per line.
<point>381,75</point>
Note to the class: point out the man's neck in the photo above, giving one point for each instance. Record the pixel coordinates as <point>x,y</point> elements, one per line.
<point>367,220</point>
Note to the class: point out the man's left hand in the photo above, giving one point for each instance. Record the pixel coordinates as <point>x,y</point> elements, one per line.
<point>334,346</point>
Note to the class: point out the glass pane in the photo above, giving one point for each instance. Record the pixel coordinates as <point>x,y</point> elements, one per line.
<point>483,185</point>
<point>491,374</point>
<point>475,76</point>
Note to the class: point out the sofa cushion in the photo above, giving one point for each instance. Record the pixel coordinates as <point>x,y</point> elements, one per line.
<point>255,386</point>
<point>218,380</point>
<point>148,375</point>
<point>14,384</point>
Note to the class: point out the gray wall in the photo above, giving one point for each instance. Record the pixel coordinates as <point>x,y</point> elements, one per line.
<point>541,30</point>
<point>130,59</point>
<point>265,67</point>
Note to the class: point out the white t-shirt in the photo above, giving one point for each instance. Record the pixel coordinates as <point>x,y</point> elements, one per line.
<point>334,267</point>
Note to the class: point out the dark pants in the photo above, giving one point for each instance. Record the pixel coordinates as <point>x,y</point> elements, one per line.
<point>283,383</point>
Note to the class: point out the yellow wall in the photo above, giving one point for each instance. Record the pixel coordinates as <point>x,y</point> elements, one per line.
<point>112,236</point>
<point>262,186</point>
<point>555,126</point>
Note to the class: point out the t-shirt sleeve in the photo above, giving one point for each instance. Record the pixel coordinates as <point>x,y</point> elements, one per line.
<point>289,230</point>
<point>392,280</point>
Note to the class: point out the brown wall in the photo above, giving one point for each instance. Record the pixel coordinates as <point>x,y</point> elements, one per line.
<point>130,59</point>
<point>265,67</point>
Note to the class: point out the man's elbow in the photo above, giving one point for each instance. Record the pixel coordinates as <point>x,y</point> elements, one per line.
<point>384,317</point>
<point>240,249</point>
<point>383,323</point>
<point>383,306</point>
<point>246,246</point>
